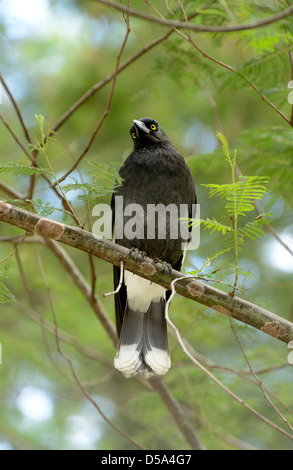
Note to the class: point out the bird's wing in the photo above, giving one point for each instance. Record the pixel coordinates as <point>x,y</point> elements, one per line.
<point>121,296</point>
<point>120,299</point>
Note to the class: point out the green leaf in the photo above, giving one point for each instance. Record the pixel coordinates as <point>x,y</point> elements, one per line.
<point>240,196</point>
<point>225,146</point>
<point>253,228</point>
<point>20,169</point>
<point>6,295</point>
<point>41,120</point>
<point>212,225</point>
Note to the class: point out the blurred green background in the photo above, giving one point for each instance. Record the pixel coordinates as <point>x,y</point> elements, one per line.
<point>52,52</point>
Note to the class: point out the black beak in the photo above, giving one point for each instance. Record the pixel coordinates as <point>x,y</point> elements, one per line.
<point>140,126</point>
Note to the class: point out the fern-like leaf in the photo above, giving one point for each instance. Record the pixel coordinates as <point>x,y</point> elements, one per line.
<point>6,295</point>
<point>241,195</point>
<point>253,228</point>
<point>212,225</point>
<point>20,169</point>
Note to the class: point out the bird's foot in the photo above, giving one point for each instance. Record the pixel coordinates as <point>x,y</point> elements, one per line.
<point>136,252</point>
<point>165,266</point>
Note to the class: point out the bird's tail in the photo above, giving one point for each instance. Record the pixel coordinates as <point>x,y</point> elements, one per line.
<point>143,342</point>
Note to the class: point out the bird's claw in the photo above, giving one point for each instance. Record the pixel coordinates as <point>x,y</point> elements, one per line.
<point>136,252</point>
<point>165,266</point>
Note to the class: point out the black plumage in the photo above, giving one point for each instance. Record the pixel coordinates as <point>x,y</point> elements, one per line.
<point>154,175</point>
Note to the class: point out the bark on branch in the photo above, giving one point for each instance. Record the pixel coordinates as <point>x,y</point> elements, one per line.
<point>113,253</point>
<point>198,27</point>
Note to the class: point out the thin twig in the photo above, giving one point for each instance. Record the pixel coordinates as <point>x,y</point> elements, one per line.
<point>34,163</point>
<point>78,279</point>
<point>173,407</point>
<point>64,336</point>
<point>257,379</point>
<point>176,411</point>
<point>233,70</point>
<point>219,127</point>
<point>25,151</point>
<point>98,86</point>
<point>93,275</point>
<point>15,249</point>
<point>106,294</point>
<point>210,375</point>
<point>105,113</point>
<point>26,133</point>
<point>17,110</point>
<point>11,192</point>
<point>69,362</point>
<point>197,27</point>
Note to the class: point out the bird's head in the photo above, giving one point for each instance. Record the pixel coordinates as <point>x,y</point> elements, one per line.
<point>147,132</point>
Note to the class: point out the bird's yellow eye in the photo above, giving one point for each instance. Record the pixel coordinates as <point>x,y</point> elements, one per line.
<point>153,127</point>
<point>133,135</point>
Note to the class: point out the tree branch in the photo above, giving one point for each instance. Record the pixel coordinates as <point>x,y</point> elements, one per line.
<point>98,86</point>
<point>17,110</point>
<point>156,383</point>
<point>237,72</point>
<point>25,151</point>
<point>106,111</point>
<point>177,413</point>
<point>197,27</point>
<point>84,287</point>
<point>188,287</point>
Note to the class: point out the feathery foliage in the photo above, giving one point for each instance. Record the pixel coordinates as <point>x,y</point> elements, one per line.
<point>21,169</point>
<point>6,295</point>
<point>177,81</point>
<point>103,176</point>
<point>239,197</point>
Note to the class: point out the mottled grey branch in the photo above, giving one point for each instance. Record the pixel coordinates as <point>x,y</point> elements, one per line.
<point>186,286</point>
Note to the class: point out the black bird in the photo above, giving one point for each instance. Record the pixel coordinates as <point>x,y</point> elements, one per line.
<point>154,176</point>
